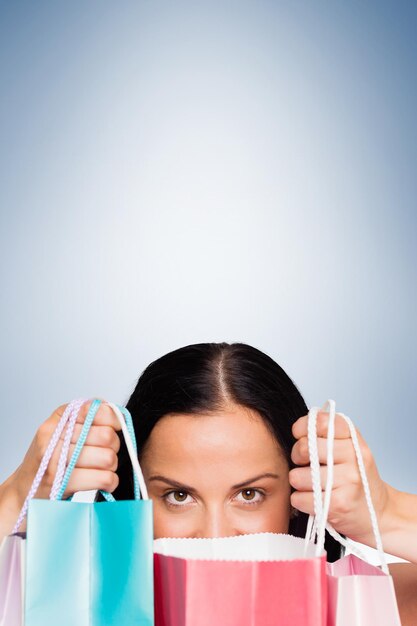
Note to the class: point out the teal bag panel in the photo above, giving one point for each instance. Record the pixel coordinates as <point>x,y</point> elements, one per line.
<point>122,531</point>
<point>89,564</point>
<point>57,564</point>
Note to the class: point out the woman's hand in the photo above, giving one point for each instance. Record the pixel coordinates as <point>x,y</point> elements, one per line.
<point>95,467</point>
<point>348,512</point>
<point>396,511</point>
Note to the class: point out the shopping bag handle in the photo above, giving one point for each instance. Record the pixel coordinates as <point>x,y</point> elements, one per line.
<point>72,409</point>
<point>69,418</point>
<point>139,484</point>
<point>321,509</point>
<point>126,423</point>
<point>319,522</point>
<point>59,475</point>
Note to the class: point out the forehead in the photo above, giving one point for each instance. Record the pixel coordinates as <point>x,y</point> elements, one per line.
<point>230,437</point>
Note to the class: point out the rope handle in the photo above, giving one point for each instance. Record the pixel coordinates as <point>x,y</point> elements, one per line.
<point>69,418</point>
<point>126,423</point>
<point>321,510</point>
<point>64,453</point>
<point>72,408</point>
<point>318,524</point>
<point>311,532</point>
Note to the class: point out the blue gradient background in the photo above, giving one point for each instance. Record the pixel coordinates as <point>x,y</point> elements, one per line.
<point>177,172</point>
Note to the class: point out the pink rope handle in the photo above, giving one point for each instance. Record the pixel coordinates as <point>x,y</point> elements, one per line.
<point>63,459</point>
<point>72,407</point>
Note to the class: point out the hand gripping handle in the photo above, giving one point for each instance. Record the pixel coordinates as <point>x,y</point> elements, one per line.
<point>61,478</point>
<point>126,424</point>
<point>318,523</point>
<point>69,415</point>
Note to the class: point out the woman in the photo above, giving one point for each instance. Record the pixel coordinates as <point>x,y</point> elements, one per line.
<point>222,440</point>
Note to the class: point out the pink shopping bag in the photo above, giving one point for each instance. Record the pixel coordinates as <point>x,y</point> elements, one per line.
<point>11,580</point>
<point>263,579</point>
<point>359,594</point>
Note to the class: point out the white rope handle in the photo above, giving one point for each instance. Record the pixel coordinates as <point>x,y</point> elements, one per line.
<point>329,482</point>
<point>319,523</point>
<point>131,450</point>
<point>367,491</point>
<point>321,509</point>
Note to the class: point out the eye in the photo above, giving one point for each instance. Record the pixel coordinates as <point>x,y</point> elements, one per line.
<point>177,498</point>
<point>251,496</point>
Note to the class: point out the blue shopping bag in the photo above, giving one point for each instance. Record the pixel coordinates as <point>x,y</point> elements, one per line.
<point>91,564</point>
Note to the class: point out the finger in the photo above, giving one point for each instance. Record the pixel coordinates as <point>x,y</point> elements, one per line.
<point>303,501</point>
<point>50,424</point>
<point>58,413</point>
<point>341,429</point>
<point>92,457</point>
<point>300,477</point>
<point>105,416</point>
<point>340,503</point>
<point>102,436</point>
<point>89,479</point>
<point>343,451</point>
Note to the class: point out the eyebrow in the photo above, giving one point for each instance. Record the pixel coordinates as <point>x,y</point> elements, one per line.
<point>178,485</point>
<point>254,479</point>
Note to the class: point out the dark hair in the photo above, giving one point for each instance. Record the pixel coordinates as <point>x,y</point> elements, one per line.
<point>204,377</point>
